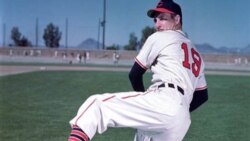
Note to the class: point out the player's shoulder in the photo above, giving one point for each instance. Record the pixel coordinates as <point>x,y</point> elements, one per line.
<point>168,34</point>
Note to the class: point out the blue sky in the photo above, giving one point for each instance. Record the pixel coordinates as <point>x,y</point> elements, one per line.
<point>217,22</point>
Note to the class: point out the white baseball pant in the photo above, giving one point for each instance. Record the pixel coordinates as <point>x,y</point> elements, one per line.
<point>155,113</point>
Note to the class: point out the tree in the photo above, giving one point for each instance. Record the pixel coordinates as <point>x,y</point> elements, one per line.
<point>52,36</point>
<point>24,42</point>
<point>113,47</point>
<point>15,35</point>
<point>133,42</point>
<point>18,39</point>
<point>146,32</point>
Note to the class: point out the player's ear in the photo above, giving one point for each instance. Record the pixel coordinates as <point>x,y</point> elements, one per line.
<point>177,19</point>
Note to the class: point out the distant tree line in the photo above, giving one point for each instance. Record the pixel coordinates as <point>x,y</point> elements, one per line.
<point>52,37</point>
<point>18,39</point>
<point>134,43</point>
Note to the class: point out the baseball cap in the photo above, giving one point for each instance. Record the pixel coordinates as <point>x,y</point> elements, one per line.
<point>165,6</point>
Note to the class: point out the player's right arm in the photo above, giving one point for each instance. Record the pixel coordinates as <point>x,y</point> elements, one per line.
<point>143,61</point>
<point>136,77</point>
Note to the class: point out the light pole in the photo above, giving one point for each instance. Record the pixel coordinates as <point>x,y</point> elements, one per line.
<point>37,22</point>
<point>4,34</point>
<point>66,32</point>
<point>104,24</point>
<point>98,34</point>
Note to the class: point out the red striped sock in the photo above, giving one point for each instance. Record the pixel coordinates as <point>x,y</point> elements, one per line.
<point>77,134</point>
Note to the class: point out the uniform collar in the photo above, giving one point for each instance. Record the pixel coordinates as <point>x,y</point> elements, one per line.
<point>181,32</point>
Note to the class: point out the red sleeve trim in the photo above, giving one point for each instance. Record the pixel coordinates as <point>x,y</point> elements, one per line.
<point>138,62</point>
<point>201,88</point>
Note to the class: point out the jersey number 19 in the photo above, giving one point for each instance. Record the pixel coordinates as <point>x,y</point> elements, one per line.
<point>195,62</point>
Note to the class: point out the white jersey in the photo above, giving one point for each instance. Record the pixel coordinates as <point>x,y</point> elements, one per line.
<point>173,58</point>
<point>160,113</point>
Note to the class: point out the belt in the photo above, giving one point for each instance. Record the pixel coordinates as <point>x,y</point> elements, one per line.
<point>171,85</point>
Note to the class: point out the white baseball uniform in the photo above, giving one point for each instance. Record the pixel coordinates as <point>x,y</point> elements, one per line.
<point>162,112</point>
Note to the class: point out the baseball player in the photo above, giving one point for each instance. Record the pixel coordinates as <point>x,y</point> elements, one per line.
<point>162,111</point>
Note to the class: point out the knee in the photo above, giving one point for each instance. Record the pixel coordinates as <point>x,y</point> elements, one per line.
<point>96,97</point>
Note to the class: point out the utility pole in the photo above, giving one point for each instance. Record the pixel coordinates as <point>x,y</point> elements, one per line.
<point>98,34</point>
<point>4,34</point>
<point>104,24</point>
<point>36,32</point>
<point>66,32</point>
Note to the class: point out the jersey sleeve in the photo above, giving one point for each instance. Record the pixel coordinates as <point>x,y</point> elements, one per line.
<point>149,52</point>
<point>201,83</point>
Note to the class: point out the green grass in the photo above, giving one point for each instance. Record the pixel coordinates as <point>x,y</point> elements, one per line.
<point>63,64</point>
<point>37,106</point>
<point>226,116</point>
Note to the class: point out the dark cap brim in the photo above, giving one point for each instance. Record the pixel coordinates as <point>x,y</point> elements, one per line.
<point>152,12</point>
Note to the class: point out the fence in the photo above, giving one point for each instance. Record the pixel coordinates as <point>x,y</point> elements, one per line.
<point>76,54</point>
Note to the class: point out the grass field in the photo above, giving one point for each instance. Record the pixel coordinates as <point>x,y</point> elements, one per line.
<point>37,106</point>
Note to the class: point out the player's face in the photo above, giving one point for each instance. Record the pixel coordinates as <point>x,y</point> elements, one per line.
<point>165,21</point>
